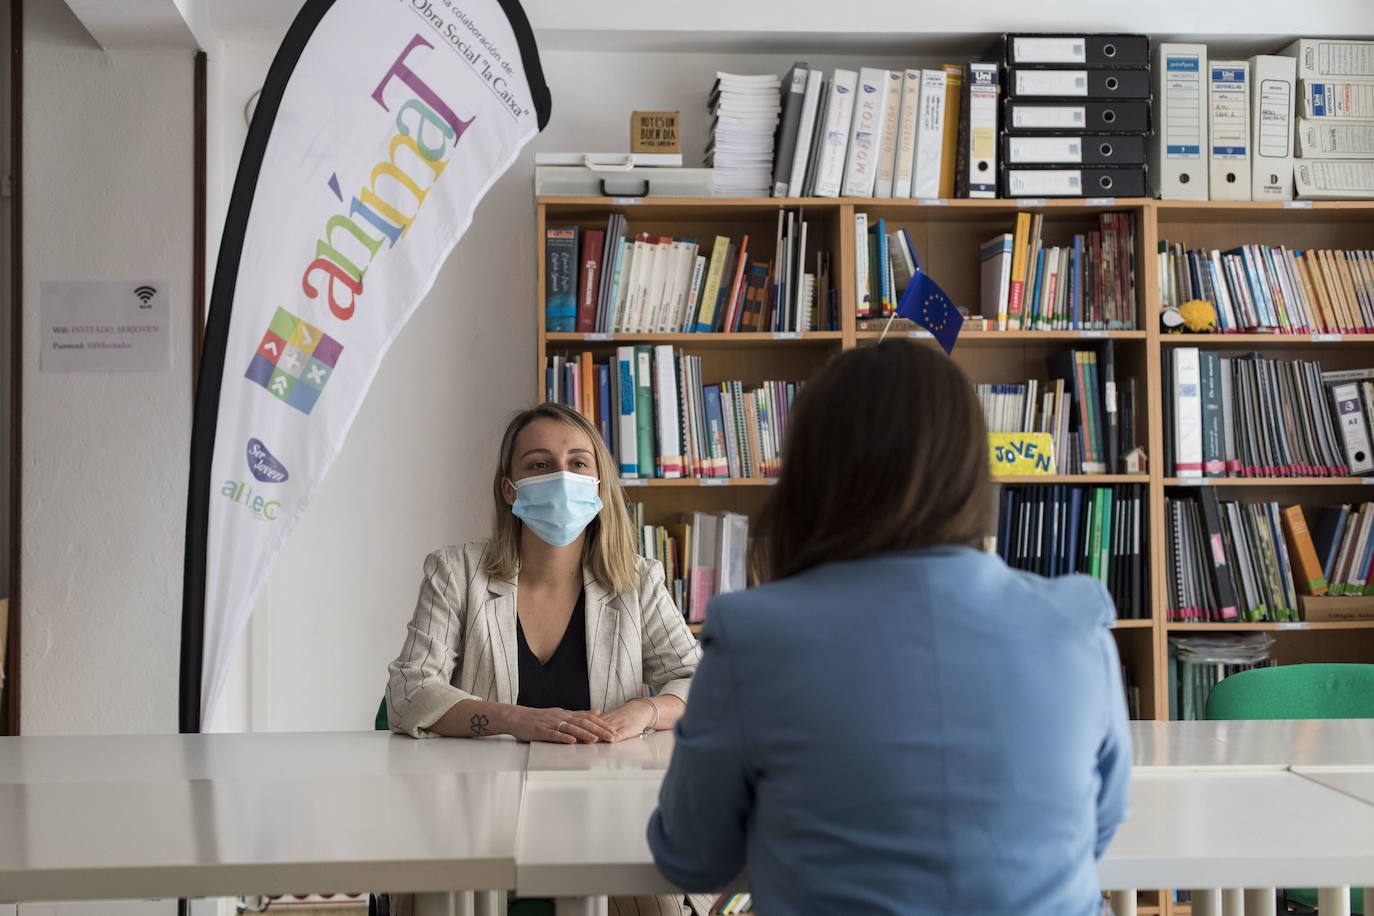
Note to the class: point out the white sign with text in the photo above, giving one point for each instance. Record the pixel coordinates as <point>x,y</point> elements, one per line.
<point>105,326</point>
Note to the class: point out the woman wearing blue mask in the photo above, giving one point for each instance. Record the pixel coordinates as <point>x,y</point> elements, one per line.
<point>548,630</point>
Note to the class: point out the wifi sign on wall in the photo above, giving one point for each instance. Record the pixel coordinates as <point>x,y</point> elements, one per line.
<point>145,295</point>
<point>121,325</point>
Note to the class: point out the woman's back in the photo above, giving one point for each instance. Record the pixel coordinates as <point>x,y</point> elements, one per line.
<point>921,732</point>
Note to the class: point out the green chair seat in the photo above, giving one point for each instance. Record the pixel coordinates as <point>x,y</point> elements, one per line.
<point>1318,691</point>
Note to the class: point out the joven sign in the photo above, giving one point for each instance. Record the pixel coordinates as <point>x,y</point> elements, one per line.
<point>415,107</point>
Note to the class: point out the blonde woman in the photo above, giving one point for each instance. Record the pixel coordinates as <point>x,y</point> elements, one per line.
<point>549,630</point>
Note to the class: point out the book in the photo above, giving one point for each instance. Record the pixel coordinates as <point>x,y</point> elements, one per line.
<point>704,554</point>
<point>839,114</point>
<point>1309,577</point>
<point>930,135</point>
<point>560,278</point>
<point>589,278</point>
<point>1057,530</point>
<point>905,152</point>
<point>866,133</point>
<point>794,90</point>
<point>954,93</point>
<point>887,154</point>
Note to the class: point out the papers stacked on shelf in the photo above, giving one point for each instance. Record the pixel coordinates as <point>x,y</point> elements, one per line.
<point>744,118</point>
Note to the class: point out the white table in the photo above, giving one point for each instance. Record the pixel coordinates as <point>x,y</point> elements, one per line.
<point>224,815</point>
<point>1273,743</point>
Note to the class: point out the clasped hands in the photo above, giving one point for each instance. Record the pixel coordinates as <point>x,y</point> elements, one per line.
<point>584,726</point>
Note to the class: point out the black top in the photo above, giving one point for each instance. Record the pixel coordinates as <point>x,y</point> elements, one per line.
<point>562,681</point>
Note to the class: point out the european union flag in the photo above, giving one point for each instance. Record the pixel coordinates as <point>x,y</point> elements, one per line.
<point>926,304</point>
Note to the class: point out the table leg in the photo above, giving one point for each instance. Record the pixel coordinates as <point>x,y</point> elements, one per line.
<point>489,903</point>
<point>1207,902</point>
<point>1260,901</point>
<point>450,903</point>
<point>1123,903</point>
<point>1369,901</point>
<point>1232,902</point>
<point>1333,901</point>
<point>579,906</point>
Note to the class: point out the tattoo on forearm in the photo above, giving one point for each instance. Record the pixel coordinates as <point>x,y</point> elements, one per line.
<point>479,725</point>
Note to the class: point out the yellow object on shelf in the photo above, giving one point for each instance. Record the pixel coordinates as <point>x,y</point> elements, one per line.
<point>1021,454</point>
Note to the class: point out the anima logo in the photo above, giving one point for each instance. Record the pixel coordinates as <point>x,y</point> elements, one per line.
<point>263,464</point>
<point>294,361</point>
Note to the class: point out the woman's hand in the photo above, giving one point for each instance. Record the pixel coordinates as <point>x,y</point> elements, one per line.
<point>585,727</point>
<point>630,720</point>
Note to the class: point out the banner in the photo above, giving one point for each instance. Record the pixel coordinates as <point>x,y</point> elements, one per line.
<point>381,125</point>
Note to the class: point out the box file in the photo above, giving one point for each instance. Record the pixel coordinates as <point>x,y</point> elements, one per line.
<point>1271,127</point>
<point>1334,179</point>
<point>1128,116</point>
<point>1178,157</point>
<point>1349,412</point>
<point>1331,99</point>
<point>1114,83</point>
<point>1084,50</point>
<point>977,153</point>
<point>1071,182</point>
<point>1228,159</point>
<point>1074,149</point>
<point>1326,139</point>
<point>1328,57</point>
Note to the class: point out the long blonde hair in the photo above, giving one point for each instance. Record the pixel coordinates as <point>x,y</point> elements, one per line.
<point>609,550</point>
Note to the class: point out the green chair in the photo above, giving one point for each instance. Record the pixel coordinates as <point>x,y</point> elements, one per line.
<point>1325,691</point>
<point>380,723</point>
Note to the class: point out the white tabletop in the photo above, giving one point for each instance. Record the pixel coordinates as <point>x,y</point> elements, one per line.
<point>274,755</point>
<point>646,756</point>
<point>223,815</point>
<point>1356,782</point>
<point>1271,743</point>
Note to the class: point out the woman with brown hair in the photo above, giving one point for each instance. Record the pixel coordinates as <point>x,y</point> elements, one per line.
<point>549,630</point>
<point>897,722</point>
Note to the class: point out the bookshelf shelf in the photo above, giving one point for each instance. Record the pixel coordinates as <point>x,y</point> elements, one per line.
<point>1273,625</point>
<point>1270,482</point>
<point>655,483</point>
<point>1012,338</point>
<point>741,339</point>
<point>1083,479</point>
<point>1258,341</point>
<point>1132,624</point>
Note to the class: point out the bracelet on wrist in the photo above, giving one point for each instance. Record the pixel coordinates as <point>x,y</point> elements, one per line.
<point>654,706</point>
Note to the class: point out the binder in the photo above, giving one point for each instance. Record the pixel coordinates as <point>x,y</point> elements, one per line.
<point>1178,163</point>
<point>1085,50</point>
<point>1273,81</point>
<point>806,130</point>
<point>909,111</point>
<point>1219,561</point>
<point>1129,116</point>
<point>930,135</point>
<point>887,156</point>
<point>1349,411</point>
<point>1073,182</point>
<point>977,176</point>
<point>1328,139</point>
<point>1228,159</point>
<point>949,155</point>
<point>1187,410</point>
<point>795,94</point>
<point>834,141</point>
<point>1327,57</point>
<point>1334,179</point>
<point>866,137</point>
<point>1030,82</point>
<point>1344,100</point>
<point>1074,149</point>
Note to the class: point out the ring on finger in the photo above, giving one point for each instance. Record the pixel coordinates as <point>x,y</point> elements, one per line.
<point>560,726</point>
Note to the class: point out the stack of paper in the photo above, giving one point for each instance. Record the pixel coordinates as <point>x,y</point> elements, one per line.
<point>744,119</point>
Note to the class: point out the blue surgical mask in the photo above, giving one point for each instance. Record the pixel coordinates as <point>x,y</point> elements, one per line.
<point>557,506</point>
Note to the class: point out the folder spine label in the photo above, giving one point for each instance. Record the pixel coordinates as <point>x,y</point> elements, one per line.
<point>1229,139</point>
<point>1183,88</point>
<point>1050,50</point>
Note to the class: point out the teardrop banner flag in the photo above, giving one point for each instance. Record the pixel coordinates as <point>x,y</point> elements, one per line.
<point>380,127</point>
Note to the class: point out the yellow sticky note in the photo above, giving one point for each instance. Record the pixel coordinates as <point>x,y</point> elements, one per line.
<point>1017,454</point>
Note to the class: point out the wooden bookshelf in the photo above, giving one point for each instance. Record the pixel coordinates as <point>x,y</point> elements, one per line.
<point>947,234</point>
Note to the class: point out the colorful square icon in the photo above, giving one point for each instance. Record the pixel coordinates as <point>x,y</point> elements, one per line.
<point>294,361</point>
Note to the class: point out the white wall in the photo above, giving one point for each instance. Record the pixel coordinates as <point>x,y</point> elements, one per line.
<point>108,195</point>
<point>5,211</point>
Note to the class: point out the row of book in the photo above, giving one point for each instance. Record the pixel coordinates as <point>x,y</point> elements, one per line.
<point>1249,416</point>
<point>703,554</point>
<point>1056,530</point>
<point>1343,545</point>
<point>660,419</point>
<point>609,281</point>
<point>1200,661</point>
<point>1088,284</point>
<point>1034,406</point>
<point>1280,290</point>
<point>1230,561</point>
<point>882,133</point>
<point>732,904</point>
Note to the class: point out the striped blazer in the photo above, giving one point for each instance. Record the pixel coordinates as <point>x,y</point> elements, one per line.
<point>461,642</point>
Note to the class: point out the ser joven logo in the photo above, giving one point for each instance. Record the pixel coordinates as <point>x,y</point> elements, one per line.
<point>294,361</point>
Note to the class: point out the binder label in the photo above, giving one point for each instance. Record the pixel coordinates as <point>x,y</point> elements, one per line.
<point>1048,117</point>
<point>787,335</point>
<point>1052,82</point>
<point>1042,50</point>
<point>1016,454</point>
<point>1031,150</point>
<point>1183,106</point>
<point>598,336</point>
<point>1276,104</point>
<point>1229,115</point>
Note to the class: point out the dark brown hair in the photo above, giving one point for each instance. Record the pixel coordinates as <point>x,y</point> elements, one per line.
<point>886,450</point>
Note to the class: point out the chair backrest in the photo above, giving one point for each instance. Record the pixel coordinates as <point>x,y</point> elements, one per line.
<point>1319,691</point>
<point>380,723</point>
